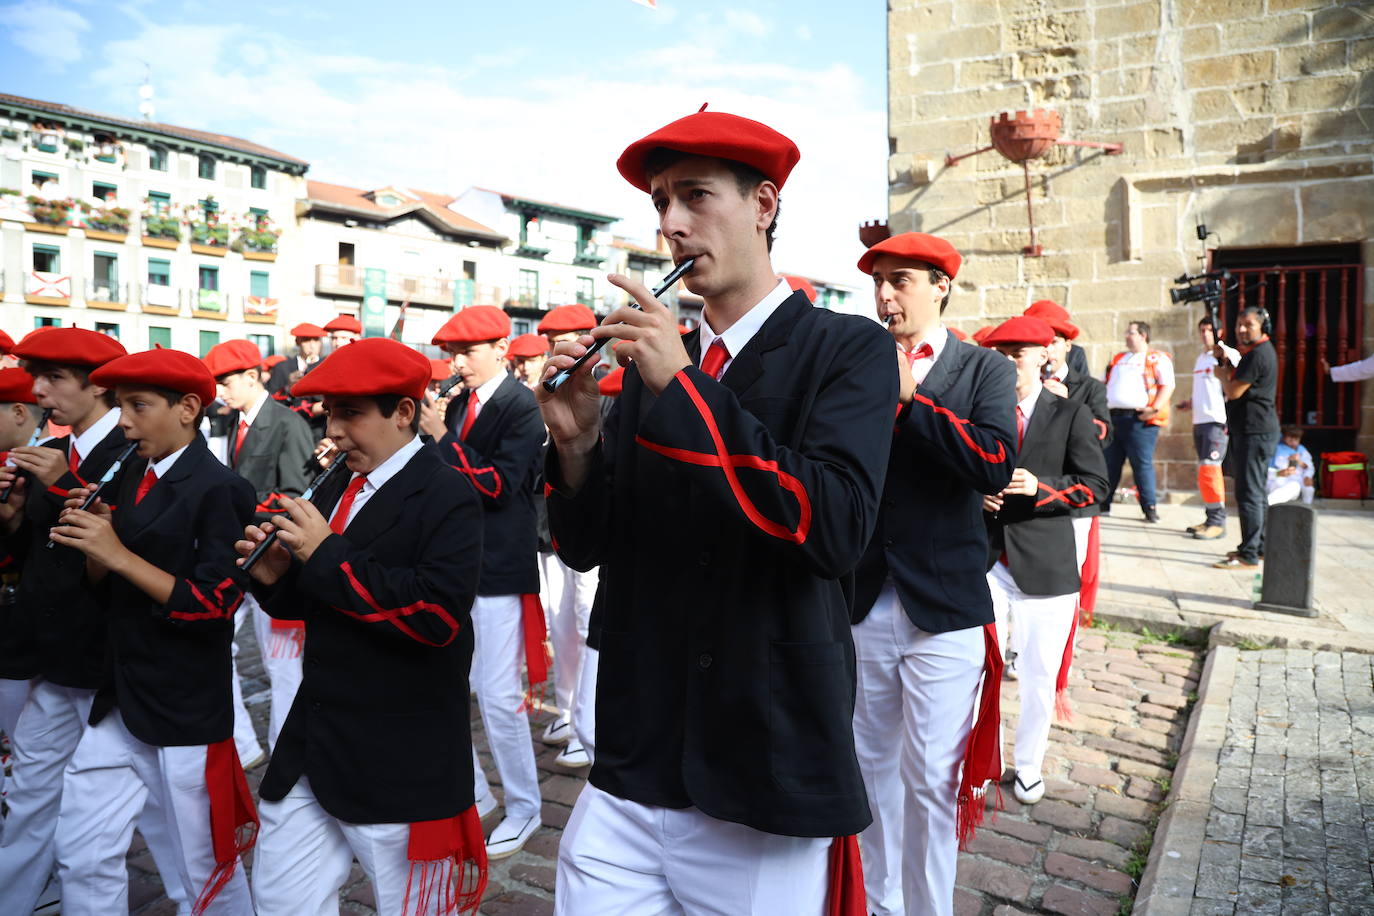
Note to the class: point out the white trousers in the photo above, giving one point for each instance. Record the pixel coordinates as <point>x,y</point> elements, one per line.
<point>569,608</point>
<point>921,689</point>
<point>1289,489</point>
<point>1038,639</point>
<point>110,779</point>
<point>43,741</point>
<point>245,739</point>
<point>584,712</point>
<point>283,667</point>
<point>498,656</point>
<point>1081,527</point>
<point>13,694</point>
<point>619,856</point>
<point>304,855</point>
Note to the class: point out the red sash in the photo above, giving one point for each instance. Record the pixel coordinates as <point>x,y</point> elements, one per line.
<point>233,819</point>
<point>448,865</point>
<point>983,756</point>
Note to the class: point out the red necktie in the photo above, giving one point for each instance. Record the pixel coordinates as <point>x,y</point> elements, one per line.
<point>1020,426</point>
<point>924,351</point>
<point>145,485</point>
<point>238,443</point>
<point>73,458</point>
<point>470,417</point>
<point>339,520</point>
<point>714,361</point>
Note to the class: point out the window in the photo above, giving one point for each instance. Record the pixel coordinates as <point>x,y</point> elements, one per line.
<point>470,270</point>
<point>159,272</point>
<point>258,284</point>
<point>108,329</point>
<point>259,217</point>
<point>209,205</point>
<point>43,178</point>
<point>209,278</point>
<point>41,322</point>
<point>529,287</point>
<point>157,159</point>
<point>266,343</point>
<point>207,166</point>
<point>257,177</point>
<point>207,340</point>
<point>159,201</point>
<point>104,191</point>
<point>160,337</point>
<point>47,259</point>
<point>106,272</point>
<point>586,291</point>
<point>520,326</point>
<point>346,254</point>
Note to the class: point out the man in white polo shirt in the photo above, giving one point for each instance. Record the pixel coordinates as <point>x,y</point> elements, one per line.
<point>1139,382</point>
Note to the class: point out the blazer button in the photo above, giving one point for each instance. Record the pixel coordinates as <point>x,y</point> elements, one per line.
<point>704,559</point>
<point>705,660</point>
<point>887,542</point>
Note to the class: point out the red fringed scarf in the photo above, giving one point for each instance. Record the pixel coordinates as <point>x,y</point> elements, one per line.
<point>288,639</point>
<point>1092,568</point>
<point>448,865</point>
<point>845,896</point>
<point>983,756</point>
<point>536,651</point>
<point>233,819</point>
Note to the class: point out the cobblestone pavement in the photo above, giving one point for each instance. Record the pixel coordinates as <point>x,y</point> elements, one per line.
<point>1291,827</point>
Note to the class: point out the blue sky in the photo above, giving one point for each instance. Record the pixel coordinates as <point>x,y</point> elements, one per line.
<point>537,98</point>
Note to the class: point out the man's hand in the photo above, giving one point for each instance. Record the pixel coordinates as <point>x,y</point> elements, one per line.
<point>12,512</point>
<point>431,421</point>
<point>1184,405</point>
<point>1023,483</point>
<point>650,334</point>
<point>47,464</point>
<point>1223,366</point>
<point>303,528</point>
<point>992,503</point>
<point>1147,413</point>
<point>906,382</point>
<point>1326,367</point>
<point>573,412</point>
<point>325,452</point>
<point>1056,387</point>
<point>1286,472</point>
<point>273,564</point>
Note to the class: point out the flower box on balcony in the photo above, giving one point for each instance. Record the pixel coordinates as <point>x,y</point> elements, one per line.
<point>161,309</point>
<point>259,255</point>
<point>209,303</point>
<point>104,236</point>
<point>216,250</point>
<point>108,306</point>
<point>46,227</point>
<point>155,242</point>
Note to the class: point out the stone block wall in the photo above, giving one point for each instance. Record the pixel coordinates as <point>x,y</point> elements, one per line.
<point>1253,116</point>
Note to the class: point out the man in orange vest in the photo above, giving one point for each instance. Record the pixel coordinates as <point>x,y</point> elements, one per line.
<point>1140,381</point>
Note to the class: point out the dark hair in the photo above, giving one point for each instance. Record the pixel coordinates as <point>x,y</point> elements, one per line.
<point>1142,328</point>
<point>1291,429</point>
<point>1206,322</point>
<point>219,379</point>
<point>746,177</point>
<point>82,374</point>
<point>1259,312</point>
<point>173,398</point>
<point>387,404</point>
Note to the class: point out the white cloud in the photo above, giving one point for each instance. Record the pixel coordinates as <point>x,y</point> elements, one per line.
<point>46,30</point>
<point>803,32</point>
<point>368,122</point>
<point>748,23</point>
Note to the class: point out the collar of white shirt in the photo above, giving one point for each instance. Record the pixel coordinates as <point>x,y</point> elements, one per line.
<point>937,340</point>
<point>251,414</point>
<point>388,469</point>
<point>737,337</point>
<point>485,390</point>
<point>96,433</point>
<point>163,465</point>
<point>1027,405</point>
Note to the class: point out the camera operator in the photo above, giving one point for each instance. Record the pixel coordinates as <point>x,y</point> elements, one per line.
<point>1254,427</point>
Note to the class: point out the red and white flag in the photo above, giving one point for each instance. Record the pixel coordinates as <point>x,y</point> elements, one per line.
<point>651,4</point>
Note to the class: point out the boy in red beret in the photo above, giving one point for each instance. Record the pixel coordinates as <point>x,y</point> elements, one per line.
<point>374,758</point>
<point>527,354</point>
<point>269,446</point>
<point>725,498</point>
<point>57,625</point>
<point>491,432</point>
<point>159,752</point>
<point>1032,566</point>
<point>309,343</point>
<point>343,331</point>
<point>922,618</point>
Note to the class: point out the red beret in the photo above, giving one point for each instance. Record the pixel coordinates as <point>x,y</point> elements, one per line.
<point>309,330</point>
<point>981,335</point>
<point>529,345</point>
<point>802,284</point>
<point>1054,315</point>
<point>6,343</point>
<point>273,360</point>
<point>474,324</point>
<point>345,323</point>
<point>171,369</point>
<point>16,387</point>
<point>1023,329</point>
<point>567,318</point>
<point>714,133</point>
<point>232,356</point>
<point>69,347</point>
<point>915,246</point>
<point>611,385</point>
<point>439,369</point>
<point>367,368</point>
<point>958,333</point>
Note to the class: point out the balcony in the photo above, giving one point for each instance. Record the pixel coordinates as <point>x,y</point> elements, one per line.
<point>160,300</point>
<point>105,295</point>
<point>43,288</point>
<point>347,280</point>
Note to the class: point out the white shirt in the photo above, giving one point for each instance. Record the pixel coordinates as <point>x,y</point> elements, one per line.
<point>251,414</point>
<point>379,475</point>
<point>921,368</point>
<point>1126,389</point>
<point>1027,406</point>
<point>1354,372</point>
<point>163,465</point>
<point>1209,400</point>
<point>95,434</point>
<point>743,331</point>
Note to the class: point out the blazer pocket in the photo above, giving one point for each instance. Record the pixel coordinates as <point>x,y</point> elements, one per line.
<point>811,710</point>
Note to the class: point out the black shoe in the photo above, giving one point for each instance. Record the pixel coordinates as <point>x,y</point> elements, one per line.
<point>1151,515</point>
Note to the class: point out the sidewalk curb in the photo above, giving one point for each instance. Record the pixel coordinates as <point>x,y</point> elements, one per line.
<point>1170,877</point>
<point>1273,634</point>
<point>1193,627</point>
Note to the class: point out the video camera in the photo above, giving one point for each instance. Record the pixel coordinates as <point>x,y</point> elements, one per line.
<point>1207,288</point>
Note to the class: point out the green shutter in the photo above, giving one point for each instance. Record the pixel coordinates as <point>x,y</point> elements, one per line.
<point>258,284</point>
<point>207,340</point>
<point>160,337</point>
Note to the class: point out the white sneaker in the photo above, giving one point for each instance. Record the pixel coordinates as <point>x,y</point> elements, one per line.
<point>510,836</point>
<point>560,730</point>
<point>1009,668</point>
<point>1029,788</point>
<point>485,805</point>
<point>574,756</point>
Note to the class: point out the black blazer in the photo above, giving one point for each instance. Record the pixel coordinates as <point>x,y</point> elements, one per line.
<point>953,443</point>
<point>1092,393</point>
<point>280,376</point>
<point>171,668</point>
<point>501,460</point>
<point>727,665</point>
<point>56,628</point>
<point>275,453</point>
<point>380,723</point>
<point>1061,449</point>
